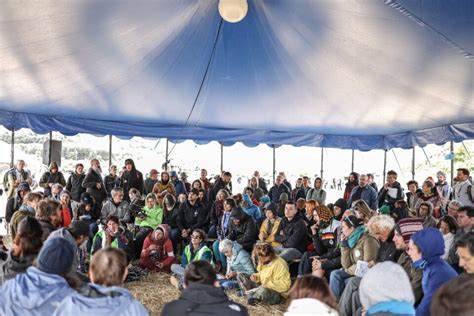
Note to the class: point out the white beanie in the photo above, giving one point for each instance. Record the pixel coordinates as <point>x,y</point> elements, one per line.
<point>386,281</point>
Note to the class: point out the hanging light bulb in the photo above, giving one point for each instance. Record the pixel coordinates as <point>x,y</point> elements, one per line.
<point>233,11</point>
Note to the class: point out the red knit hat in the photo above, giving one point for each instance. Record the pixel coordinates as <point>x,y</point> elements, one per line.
<point>408,227</point>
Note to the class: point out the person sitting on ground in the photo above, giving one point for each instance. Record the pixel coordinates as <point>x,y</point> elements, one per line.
<point>48,213</point>
<point>202,295</point>
<point>43,287</point>
<point>192,215</point>
<point>425,211</point>
<point>385,290</point>
<point>105,295</point>
<point>66,212</point>
<point>465,250</point>
<point>425,249</point>
<point>380,227</point>
<point>292,234</point>
<point>77,234</point>
<point>25,248</point>
<point>14,203</point>
<point>116,206</point>
<point>356,244</point>
<point>324,236</point>
<point>454,297</point>
<point>164,187</point>
<point>271,280</point>
<point>271,225</point>
<point>170,218</point>
<point>112,236</point>
<point>310,295</point>
<point>28,208</point>
<point>194,251</point>
<point>146,221</point>
<point>238,261</point>
<point>157,253</point>
<point>251,210</point>
<point>447,226</point>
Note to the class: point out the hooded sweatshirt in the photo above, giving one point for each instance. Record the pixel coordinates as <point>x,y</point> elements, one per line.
<point>203,299</point>
<point>33,293</point>
<point>436,271</point>
<point>240,260</point>
<point>252,210</point>
<point>131,179</point>
<point>101,301</point>
<point>163,250</point>
<point>49,177</point>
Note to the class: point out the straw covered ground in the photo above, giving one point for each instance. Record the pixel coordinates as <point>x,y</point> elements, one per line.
<point>155,290</point>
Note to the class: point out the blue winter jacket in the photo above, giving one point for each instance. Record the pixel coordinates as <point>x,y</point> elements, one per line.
<point>369,195</point>
<point>115,301</point>
<point>252,211</point>
<point>436,271</point>
<point>240,260</point>
<point>33,293</point>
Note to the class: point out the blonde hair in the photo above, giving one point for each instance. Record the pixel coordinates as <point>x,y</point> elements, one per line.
<point>379,223</point>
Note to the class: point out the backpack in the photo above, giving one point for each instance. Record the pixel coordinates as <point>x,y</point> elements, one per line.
<point>6,185</point>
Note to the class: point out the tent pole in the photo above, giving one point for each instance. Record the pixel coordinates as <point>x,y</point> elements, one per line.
<point>167,155</point>
<point>110,151</point>
<point>50,152</point>
<point>12,161</point>
<point>384,164</point>
<point>413,164</point>
<point>274,163</point>
<point>222,156</point>
<point>322,162</point>
<point>398,163</point>
<point>352,163</point>
<point>452,163</point>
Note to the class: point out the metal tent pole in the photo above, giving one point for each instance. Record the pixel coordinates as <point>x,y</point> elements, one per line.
<point>452,163</point>
<point>50,152</point>
<point>12,152</point>
<point>384,165</point>
<point>110,151</point>
<point>352,162</point>
<point>413,164</point>
<point>322,162</point>
<point>167,155</point>
<point>274,163</point>
<point>222,156</point>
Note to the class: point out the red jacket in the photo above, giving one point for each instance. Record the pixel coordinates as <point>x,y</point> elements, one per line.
<point>163,252</point>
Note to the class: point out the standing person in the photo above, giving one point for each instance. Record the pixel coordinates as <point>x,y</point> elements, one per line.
<point>15,176</point>
<point>51,177</point>
<point>278,189</point>
<point>111,180</point>
<point>179,186</point>
<point>311,296</point>
<point>157,253</point>
<point>352,182</point>
<point>317,193</point>
<point>364,192</point>
<point>164,187</point>
<point>94,184</point>
<point>105,295</point>
<point>425,249</point>
<point>43,287</point>
<point>150,181</point>
<point>221,183</point>
<point>462,190</point>
<point>444,189</point>
<point>131,178</point>
<point>202,295</point>
<point>205,181</point>
<point>261,183</point>
<point>14,203</point>
<point>391,191</point>
<point>74,182</point>
<point>48,213</point>
<point>25,248</point>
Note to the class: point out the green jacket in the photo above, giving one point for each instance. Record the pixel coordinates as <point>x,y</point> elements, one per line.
<point>153,219</point>
<point>366,249</point>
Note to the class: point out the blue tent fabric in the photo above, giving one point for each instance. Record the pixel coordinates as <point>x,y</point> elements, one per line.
<point>345,74</point>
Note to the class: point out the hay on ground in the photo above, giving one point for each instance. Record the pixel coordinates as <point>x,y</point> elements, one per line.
<point>155,290</point>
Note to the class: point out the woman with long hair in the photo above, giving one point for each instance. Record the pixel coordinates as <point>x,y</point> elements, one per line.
<point>163,187</point>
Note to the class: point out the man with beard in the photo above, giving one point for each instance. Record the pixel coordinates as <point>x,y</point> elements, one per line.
<point>191,215</point>
<point>94,184</point>
<point>74,183</point>
<point>131,178</point>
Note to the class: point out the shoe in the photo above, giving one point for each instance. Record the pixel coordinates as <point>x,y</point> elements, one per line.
<point>251,301</point>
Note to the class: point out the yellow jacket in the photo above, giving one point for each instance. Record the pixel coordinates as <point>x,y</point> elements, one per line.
<point>263,232</point>
<point>274,276</point>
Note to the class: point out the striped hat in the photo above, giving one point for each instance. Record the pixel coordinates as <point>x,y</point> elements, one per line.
<point>407,227</point>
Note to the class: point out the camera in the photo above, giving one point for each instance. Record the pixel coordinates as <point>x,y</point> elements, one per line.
<point>154,255</point>
<point>136,210</point>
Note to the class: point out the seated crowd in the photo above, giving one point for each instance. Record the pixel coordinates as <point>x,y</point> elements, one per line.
<point>372,252</point>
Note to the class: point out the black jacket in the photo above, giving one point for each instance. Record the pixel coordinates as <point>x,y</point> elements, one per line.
<point>388,251</point>
<point>90,183</point>
<point>111,182</point>
<point>218,185</point>
<point>294,233</point>
<point>74,185</point>
<point>384,198</point>
<point>170,218</point>
<point>203,299</point>
<point>246,232</point>
<point>191,216</point>
<point>276,191</point>
<point>131,179</point>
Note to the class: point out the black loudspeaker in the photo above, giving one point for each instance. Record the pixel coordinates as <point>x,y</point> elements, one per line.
<point>52,152</point>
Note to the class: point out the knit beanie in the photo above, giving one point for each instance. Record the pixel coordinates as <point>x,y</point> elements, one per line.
<point>56,256</point>
<point>408,226</point>
<point>386,281</point>
<point>342,204</point>
<point>384,210</point>
<point>79,228</point>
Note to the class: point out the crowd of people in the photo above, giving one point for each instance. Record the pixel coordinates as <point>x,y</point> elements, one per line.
<point>369,252</point>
